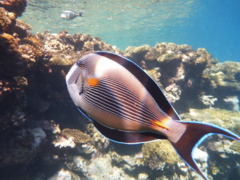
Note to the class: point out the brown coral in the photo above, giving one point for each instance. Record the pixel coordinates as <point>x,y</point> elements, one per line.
<point>10,56</point>
<point>181,69</point>
<point>77,135</point>
<point>235,147</point>
<point>159,152</point>
<point>16,6</point>
<point>224,80</point>
<point>31,48</point>
<point>22,28</point>
<point>7,21</point>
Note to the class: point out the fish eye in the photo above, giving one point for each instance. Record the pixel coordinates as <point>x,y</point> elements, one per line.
<point>81,64</point>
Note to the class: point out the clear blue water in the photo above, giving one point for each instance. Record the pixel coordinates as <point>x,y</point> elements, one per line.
<point>210,24</point>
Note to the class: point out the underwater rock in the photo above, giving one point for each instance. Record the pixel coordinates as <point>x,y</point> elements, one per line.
<point>65,175</point>
<point>20,149</point>
<point>208,100</point>
<point>39,136</point>
<point>7,21</point>
<point>223,153</point>
<point>77,135</point>
<point>33,90</point>
<point>220,117</point>
<point>99,168</point>
<point>12,26</point>
<point>155,74</point>
<point>225,157</point>
<point>235,146</point>
<point>181,70</point>
<point>31,49</point>
<point>65,49</point>
<point>142,176</point>
<point>101,143</point>
<point>10,57</point>
<point>154,153</point>
<point>224,81</point>
<point>63,142</point>
<point>161,156</point>
<point>22,29</point>
<point>137,54</point>
<point>74,138</point>
<point>200,155</point>
<point>16,6</point>
<point>233,102</point>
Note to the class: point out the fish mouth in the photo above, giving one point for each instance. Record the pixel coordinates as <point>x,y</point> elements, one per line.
<point>73,74</point>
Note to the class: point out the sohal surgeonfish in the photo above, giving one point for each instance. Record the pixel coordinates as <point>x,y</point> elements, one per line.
<point>128,107</point>
<point>69,15</point>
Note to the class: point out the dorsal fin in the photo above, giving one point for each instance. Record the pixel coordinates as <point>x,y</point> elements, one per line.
<point>146,80</point>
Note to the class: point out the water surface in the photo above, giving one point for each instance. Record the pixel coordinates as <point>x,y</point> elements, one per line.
<point>211,24</point>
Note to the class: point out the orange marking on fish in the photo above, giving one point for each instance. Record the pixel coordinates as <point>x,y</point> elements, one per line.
<point>92,82</point>
<point>162,123</point>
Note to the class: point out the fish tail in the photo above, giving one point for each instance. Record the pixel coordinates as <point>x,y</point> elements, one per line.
<point>80,14</point>
<point>193,134</point>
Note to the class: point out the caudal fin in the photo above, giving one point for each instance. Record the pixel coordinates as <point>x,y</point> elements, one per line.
<point>196,132</point>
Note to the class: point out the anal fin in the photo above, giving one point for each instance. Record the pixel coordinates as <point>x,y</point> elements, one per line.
<point>127,137</point>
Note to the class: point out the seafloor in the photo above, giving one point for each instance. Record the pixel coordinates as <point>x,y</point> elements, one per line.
<point>43,136</point>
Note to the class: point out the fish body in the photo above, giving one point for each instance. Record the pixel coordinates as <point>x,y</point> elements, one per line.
<point>69,15</point>
<point>128,104</point>
<point>128,107</point>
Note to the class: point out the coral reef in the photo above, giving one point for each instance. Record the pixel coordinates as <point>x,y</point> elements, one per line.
<point>31,49</point>
<point>22,148</point>
<point>100,141</point>
<point>181,70</point>
<point>224,82</point>
<point>78,136</point>
<point>99,168</point>
<point>64,49</point>
<point>221,117</point>
<point>33,93</point>
<point>7,21</point>
<point>190,78</point>
<point>208,100</point>
<point>75,138</point>
<point>15,6</point>
<point>162,157</point>
<point>155,154</point>
<point>65,174</point>
<point>219,149</point>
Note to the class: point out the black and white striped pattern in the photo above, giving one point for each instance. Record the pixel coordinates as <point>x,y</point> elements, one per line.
<point>148,83</point>
<point>113,97</point>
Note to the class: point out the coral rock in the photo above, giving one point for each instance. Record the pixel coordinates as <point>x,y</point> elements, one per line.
<point>221,117</point>
<point>65,174</point>
<point>77,135</point>
<point>31,49</point>
<point>16,6</point>
<point>99,168</point>
<point>22,28</point>
<point>7,21</point>
<point>158,152</point>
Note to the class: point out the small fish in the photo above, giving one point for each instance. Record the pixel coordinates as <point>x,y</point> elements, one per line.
<point>69,15</point>
<point>128,107</point>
